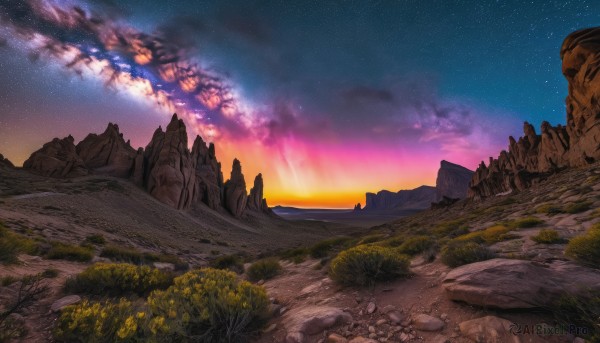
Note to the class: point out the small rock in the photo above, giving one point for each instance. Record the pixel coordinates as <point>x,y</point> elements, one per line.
<point>371,329</point>
<point>388,308</point>
<point>443,316</point>
<point>64,302</point>
<point>404,337</point>
<point>488,329</point>
<point>335,338</point>
<point>260,282</point>
<point>371,307</point>
<point>373,335</point>
<point>165,266</point>
<point>361,339</point>
<point>270,328</point>
<point>380,322</point>
<point>396,317</point>
<point>426,322</point>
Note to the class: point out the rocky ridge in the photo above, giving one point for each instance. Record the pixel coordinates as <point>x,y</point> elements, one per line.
<point>534,157</point>
<point>166,168</point>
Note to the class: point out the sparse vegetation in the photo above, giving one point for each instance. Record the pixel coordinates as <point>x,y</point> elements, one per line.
<point>30,289</point>
<point>581,311</point>
<point>264,269</point>
<point>457,253</point>
<point>118,279</point>
<point>231,262</point>
<point>50,273</point>
<point>323,248</point>
<point>548,209</point>
<point>577,207</point>
<point>12,244</point>
<point>95,239</point>
<point>131,255</point>
<point>364,265</point>
<point>491,235</point>
<point>547,236</point>
<point>372,239</point>
<point>415,245</point>
<point>586,248</point>
<point>525,223</point>
<point>297,255</point>
<point>65,251</point>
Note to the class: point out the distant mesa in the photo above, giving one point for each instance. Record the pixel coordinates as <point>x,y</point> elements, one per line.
<point>166,168</point>
<point>357,207</point>
<point>534,157</point>
<point>452,183</point>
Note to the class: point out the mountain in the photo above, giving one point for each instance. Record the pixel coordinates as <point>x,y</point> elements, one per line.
<point>5,163</point>
<point>535,157</point>
<point>452,181</point>
<point>166,168</point>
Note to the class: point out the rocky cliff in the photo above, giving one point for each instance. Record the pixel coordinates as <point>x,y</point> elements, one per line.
<point>5,163</point>
<point>452,181</point>
<point>166,168</point>
<point>535,156</point>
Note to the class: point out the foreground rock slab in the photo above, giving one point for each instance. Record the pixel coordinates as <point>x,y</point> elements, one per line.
<point>307,321</point>
<point>511,284</point>
<point>426,322</point>
<point>64,302</point>
<point>489,329</point>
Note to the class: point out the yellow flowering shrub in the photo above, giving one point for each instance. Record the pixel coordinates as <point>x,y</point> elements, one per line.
<point>118,279</point>
<point>365,264</point>
<point>101,322</point>
<point>209,305</point>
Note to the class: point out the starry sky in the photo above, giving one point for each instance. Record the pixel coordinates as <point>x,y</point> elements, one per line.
<point>328,99</point>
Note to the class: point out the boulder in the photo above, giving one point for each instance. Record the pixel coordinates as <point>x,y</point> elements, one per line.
<point>209,178</point>
<point>108,153</point>
<point>424,322</point>
<point>64,302</point>
<point>235,196</point>
<point>57,158</point>
<point>534,157</point>
<point>489,329</point>
<point>169,170</point>
<point>512,284</point>
<point>312,320</point>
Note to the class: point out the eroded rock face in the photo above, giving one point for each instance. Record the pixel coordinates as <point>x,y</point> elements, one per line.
<point>452,181</point>
<point>533,157</point>
<point>518,284</point>
<point>209,178</point>
<point>256,200</point>
<point>418,198</point>
<point>57,158</point>
<point>5,163</point>
<point>169,171</point>
<point>235,195</point>
<point>107,153</point>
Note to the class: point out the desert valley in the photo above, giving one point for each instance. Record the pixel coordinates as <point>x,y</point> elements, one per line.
<point>103,242</point>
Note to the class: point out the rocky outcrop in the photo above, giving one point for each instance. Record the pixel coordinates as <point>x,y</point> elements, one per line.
<point>235,196</point>
<point>170,175</point>
<point>490,329</point>
<point>209,178</point>
<point>107,153</point>
<point>256,200</point>
<point>517,284</point>
<point>5,163</point>
<point>418,198</point>
<point>357,207</point>
<point>533,157</point>
<point>57,158</point>
<point>452,181</point>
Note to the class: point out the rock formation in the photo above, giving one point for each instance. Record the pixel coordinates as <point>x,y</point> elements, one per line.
<point>533,157</point>
<point>357,207</point>
<point>256,200</point>
<point>170,176</point>
<point>5,163</point>
<point>452,181</point>
<point>107,153</point>
<point>418,198</point>
<point>57,158</point>
<point>166,168</point>
<point>235,196</point>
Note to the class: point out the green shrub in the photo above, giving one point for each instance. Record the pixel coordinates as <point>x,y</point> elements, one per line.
<point>586,248</point>
<point>415,245</point>
<point>50,273</point>
<point>102,322</point>
<point>118,279</point>
<point>372,239</point>
<point>450,228</point>
<point>577,207</point>
<point>209,305</point>
<point>366,264</point>
<point>547,236</point>
<point>264,269</point>
<point>457,253</point>
<point>12,244</point>
<point>65,251</point>
<point>95,239</point>
<point>296,255</point>
<point>7,281</point>
<point>548,209</point>
<point>131,255</point>
<point>231,262</point>
<point>491,235</point>
<point>525,223</point>
<point>323,248</point>
<point>581,311</point>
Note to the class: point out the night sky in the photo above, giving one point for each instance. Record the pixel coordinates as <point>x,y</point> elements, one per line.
<point>328,99</point>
